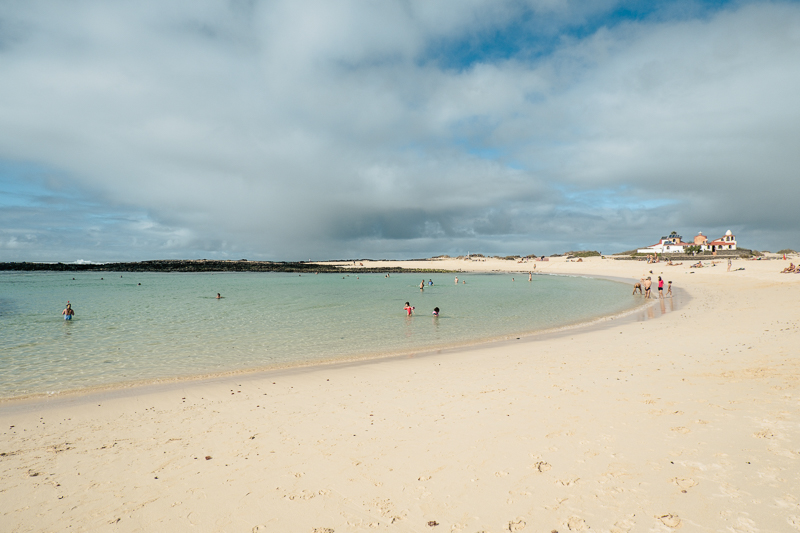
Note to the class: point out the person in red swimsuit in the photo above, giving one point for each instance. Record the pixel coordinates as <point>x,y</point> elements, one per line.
<point>660,287</point>
<point>408,309</point>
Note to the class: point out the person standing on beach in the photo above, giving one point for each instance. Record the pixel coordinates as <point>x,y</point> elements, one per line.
<point>68,312</point>
<point>660,287</point>
<point>647,284</point>
<point>729,264</point>
<point>669,289</point>
<point>408,309</point>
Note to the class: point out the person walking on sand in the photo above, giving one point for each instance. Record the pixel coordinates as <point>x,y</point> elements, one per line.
<point>669,289</point>
<point>660,287</point>
<point>68,312</point>
<point>647,284</point>
<point>408,309</point>
<point>729,264</point>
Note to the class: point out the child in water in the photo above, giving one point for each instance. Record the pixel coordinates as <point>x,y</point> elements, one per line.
<point>435,311</point>
<point>408,309</point>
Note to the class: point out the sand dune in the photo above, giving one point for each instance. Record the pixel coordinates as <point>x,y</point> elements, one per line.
<point>689,421</point>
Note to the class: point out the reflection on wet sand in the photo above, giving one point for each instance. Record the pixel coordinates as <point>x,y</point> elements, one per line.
<point>666,305</point>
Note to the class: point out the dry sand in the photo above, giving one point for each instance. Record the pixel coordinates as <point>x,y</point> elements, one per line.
<point>690,421</point>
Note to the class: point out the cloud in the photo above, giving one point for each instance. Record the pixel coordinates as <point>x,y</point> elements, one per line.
<point>290,130</point>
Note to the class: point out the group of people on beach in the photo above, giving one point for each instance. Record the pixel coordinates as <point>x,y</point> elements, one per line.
<point>644,286</point>
<point>791,269</point>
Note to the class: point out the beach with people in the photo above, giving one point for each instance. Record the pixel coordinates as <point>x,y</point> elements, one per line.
<point>681,415</point>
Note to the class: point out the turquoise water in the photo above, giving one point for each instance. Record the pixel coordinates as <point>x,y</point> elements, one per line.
<point>173,326</point>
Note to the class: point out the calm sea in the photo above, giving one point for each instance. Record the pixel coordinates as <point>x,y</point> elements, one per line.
<point>134,327</point>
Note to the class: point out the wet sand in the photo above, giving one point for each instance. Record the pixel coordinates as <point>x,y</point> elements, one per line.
<point>687,421</point>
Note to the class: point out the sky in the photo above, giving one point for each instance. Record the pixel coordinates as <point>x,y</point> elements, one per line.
<point>311,130</point>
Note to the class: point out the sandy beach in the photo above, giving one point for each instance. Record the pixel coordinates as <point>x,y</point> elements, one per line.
<point>687,421</point>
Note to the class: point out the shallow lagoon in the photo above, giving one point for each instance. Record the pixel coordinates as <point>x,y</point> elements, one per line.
<point>173,326</point>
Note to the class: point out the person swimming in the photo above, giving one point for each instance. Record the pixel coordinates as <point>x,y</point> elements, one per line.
<point>68,312</point>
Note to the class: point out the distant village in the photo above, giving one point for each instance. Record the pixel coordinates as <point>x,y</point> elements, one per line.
<point>674,244</point>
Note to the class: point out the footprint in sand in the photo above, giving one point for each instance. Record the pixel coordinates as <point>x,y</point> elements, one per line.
<point>764,434</point>
<point>670,520</point>
<point>794,521</point>
<point>501,474</point>
<point>684,483</point>
<point>542,466</point>
<point>301,495</point>
<point>516,525</point>
<point>577,524</point>
<point>423,478</point>
<point>681,429</point>
<point>624,525</point>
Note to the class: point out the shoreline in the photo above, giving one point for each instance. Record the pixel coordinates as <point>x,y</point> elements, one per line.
<point>134,386</point>
<point>690,421</point>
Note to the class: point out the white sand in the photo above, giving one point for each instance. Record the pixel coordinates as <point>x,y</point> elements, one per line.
<point>688,421</point>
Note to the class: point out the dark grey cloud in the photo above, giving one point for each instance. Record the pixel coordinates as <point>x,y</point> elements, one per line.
<point>308,130</point>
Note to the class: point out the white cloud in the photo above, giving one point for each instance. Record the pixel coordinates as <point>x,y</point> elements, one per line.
<point>285,129</point>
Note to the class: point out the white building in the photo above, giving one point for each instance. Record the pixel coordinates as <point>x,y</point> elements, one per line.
<point>726,242</point>
<point>673,244</point>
